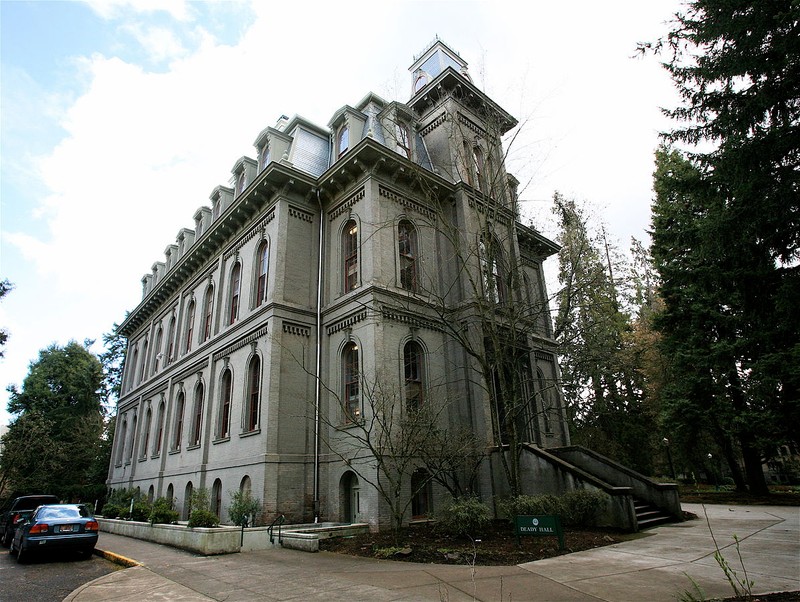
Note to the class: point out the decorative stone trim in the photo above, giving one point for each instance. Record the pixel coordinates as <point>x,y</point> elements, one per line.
<point>405,202</point>
<point>260,225</point>
<point>346,204</point>
<point>434,124</point>
<point>301,214</point>
<point>499,213</point>
<point>298,329</point>
<point>545,357</point>
<point>243,342</point>
<point>347,322</point>
<point>471,125</point>
<point>413,320</point>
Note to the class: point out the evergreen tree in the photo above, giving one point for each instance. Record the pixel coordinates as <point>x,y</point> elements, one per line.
<point>53,442</point>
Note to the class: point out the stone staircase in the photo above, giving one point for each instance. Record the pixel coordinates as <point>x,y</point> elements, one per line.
<point>648,516</point>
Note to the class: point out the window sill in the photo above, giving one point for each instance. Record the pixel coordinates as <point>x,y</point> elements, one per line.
<point>177,450</point>
<point>250,433</point>
<point>156,456</point>
<point>191,447</point>
<point>142,459</point>
<point>222,439</point>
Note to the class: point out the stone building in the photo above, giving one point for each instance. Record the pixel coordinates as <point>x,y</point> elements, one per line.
<point>377,262</point>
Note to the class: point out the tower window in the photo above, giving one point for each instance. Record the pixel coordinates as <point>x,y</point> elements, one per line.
<point>350,252</point>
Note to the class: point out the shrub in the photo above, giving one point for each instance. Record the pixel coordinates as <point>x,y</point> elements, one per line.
<point>141,511</point>
<point>112,510</point>
<point>203,518</point>
<point>464,516</point>
<point>199,500</point>
<point>581,507</point>
<point>244,508</point>
<point>530,504</point>
<point>577,508</point>
<point>163,512</point>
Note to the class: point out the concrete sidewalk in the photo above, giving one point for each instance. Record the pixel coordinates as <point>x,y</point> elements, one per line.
<point>657,566</point>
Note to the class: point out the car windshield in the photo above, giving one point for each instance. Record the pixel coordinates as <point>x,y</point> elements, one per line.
<point>59,512</point>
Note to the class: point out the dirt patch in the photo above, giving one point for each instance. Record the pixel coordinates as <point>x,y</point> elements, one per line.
<point>496,545</point>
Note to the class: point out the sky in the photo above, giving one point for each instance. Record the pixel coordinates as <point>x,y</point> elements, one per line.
<point>119,117</point>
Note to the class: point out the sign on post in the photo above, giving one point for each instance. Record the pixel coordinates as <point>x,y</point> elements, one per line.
<point>543,524</point>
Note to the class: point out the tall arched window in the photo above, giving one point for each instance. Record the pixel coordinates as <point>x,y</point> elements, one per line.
<point>407,249</point>
<point>263,156</point>
<point>187,500</point>
<point>123,433</point>
<point>179,409</point>
<point>145,444</point>
<point>216,498</point>
<point>491,258</point>
<point>414,375</point>
<point>421,494</point>
<point>480,176</point>
<point>403,139</point>
<point>253,393</point>
<point>187,347</point>
<point>225,405</point>
<point>350,253</point>
<point>171,495</point>
<point>466,161</point>
<point>134,362</point>
<point>171,341</point>
<point>143,374</point>
<point>236,285</point>
<point>350,371</point>
<point>262,261</point>
<point>197,414</point>
<point>343,140</point>
<point>159,429</point>
<point>208,312</point>
<point>157,349</point>
<point>133,439</point>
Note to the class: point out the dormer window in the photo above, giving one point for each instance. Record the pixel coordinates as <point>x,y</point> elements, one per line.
<point>403,139</point>
<point>343,140</point>
<point>263,157</point>
<point>241,182</point>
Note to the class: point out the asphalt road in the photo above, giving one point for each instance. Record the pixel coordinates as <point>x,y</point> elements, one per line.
<point>48,578</point>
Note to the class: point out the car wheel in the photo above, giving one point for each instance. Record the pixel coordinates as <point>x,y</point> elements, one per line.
<point>22,556</point>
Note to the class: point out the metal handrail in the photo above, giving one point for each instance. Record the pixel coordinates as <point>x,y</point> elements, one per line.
<point>279,520</point>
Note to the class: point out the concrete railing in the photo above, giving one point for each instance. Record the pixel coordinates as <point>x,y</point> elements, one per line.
<point>229,540</point>
<point>662,495</point>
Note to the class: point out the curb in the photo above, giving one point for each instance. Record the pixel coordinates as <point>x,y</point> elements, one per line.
<point>116,558</point>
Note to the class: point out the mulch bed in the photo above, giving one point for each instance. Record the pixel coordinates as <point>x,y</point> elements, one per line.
<point>496,545</point>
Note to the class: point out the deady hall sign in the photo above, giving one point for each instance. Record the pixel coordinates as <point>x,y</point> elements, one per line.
<point>539,525</point>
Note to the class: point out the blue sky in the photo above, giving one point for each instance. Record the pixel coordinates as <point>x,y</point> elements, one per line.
<point>119,117</point>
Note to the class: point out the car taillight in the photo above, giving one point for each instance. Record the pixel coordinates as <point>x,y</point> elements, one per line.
<point>39,528</point>
<point>92,526</point>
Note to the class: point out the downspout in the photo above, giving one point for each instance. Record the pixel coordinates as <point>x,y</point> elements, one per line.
<point>318,366</point>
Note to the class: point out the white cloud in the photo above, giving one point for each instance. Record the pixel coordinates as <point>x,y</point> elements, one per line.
<point>114,9</point>
<point>160,43</point>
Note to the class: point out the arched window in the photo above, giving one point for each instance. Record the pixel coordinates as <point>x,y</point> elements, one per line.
<point>187,500</point>
<point>480,176</point>
<point>160,429</point>
<point>491,257</point>
<point>208,311</point>
<point>143,374</point>
<point>171,495</point>
<point>407,249</point>
<point>467,164</point>
<point>189,327</point>
<point>134,362</point>
<point>414,375</point>
<point>420,494</point>
<point>263,156</point>
<point>171,341</point>
<point>253,392</point>
<point>151,492</point>
<point>133,439</point>
<point>225,405</point>
<point>350,371</point>
<point>403,139</point>
<point>123,433</point>
<point>241,181</point>
<point>197,414</point>
<point>343,140</point>
<point>262,262</point>
<point>350,253</point>
<point>236,284</point>
<point>157,349</point>
<point>145,443</point>
<point>245,486</point>
<point>216,498</point>
<point>179,408</point>
<point>420,82</point>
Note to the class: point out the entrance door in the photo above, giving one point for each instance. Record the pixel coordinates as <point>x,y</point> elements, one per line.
<point>350,498</point>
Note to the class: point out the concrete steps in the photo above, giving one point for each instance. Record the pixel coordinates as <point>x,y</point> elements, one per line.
<point>648,516</point>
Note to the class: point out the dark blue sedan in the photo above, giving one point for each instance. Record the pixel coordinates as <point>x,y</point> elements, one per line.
<point>56,527</point>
